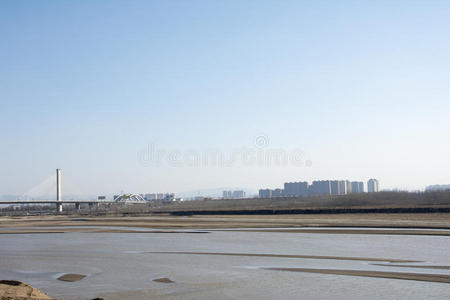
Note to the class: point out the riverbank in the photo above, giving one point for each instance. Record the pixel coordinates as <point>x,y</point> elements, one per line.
<point>419,220</point>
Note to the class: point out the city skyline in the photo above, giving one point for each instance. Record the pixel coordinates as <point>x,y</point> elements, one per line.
<point>320,187</point>
<point>45,190</point>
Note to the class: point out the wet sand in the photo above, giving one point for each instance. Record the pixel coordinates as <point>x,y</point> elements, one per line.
<point>378,274</point>
<point>310,231</point>
<point>359,231</point>
<point>292,256</point>
<point>89,230</point>
<point>415,266</point>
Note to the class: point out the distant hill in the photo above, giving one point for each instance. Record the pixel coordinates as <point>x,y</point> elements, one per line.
<point>438,187</point>
<point>214,192</point>
<point>9,197</point>
<point>46,197</point>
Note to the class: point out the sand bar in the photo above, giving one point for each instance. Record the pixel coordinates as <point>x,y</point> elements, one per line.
<point>415,266</point>
<point>357,231</point>
<point>163,280</point>
<point>71,277</point>
<point>292,256</point>
<point>378,274</point>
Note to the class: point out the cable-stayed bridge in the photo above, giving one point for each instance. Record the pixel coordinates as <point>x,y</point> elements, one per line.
<point>49,184</point>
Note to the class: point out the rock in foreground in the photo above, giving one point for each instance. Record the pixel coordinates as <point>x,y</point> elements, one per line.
<point>15,290</point>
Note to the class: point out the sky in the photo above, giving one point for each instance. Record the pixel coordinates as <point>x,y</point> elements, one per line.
<point>133,96</point>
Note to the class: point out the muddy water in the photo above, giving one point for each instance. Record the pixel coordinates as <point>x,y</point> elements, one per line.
<point>222,264</point>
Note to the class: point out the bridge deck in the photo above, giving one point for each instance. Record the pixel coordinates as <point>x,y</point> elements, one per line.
<point>54,202</point>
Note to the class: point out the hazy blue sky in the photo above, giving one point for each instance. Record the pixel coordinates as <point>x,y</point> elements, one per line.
<point>361,87</point>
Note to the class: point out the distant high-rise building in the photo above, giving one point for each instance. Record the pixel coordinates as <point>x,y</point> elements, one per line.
<point>268,193</point>
<point>295,189</point>
<point>320,187</point>
<point>373,186</point>
<point>348,186</point>
<point>168,197</point>
<point>265,193</point>
<point>342,187</point>
<point>150,197</point>
<point>160,196</point>
<point>288,189</point>
<point>277,193</point>
<point>238,194</point>
<point>361,187</point>
<point>227,194</point>
<point>233,194</point>
<point>338,187</point>
<point>438,187</point>
<point>357,187</point>
<point>335,187</point>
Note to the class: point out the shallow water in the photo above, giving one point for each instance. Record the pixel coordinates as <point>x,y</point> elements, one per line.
<point>123,262</point>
